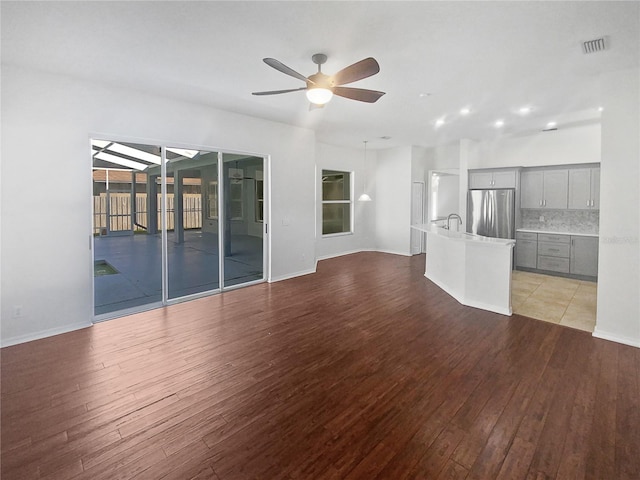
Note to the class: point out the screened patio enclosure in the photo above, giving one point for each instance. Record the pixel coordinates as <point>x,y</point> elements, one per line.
<point>170,223</point>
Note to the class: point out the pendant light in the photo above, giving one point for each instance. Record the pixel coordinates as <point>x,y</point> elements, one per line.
<point>364,197</point>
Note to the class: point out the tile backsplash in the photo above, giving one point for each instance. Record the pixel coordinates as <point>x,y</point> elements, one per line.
<point>575,221</point>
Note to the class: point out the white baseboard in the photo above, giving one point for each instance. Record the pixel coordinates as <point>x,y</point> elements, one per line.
<point>7,342</point>
<point>341,254</point>
<point>633,342</point>
<point>392,252</point>
<point>292,275</point>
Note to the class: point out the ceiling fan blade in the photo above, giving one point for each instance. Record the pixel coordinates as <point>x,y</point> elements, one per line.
<point>276,92</point>
<point>281,67</point>
<point>362,69</point>
<point>360,94</point>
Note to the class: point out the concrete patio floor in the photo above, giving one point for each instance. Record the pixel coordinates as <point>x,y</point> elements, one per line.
<point>192,267</point>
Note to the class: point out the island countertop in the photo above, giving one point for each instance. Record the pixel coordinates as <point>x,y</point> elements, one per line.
<point>463,236</point>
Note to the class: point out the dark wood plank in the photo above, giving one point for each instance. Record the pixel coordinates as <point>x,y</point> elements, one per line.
<point>363,370</point>
<point>628,414</point>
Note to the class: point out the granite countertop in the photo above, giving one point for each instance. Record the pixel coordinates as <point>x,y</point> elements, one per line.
<point>530,230</point>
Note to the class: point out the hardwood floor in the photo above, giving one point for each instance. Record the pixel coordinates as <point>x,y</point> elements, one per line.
<point>364,370</point>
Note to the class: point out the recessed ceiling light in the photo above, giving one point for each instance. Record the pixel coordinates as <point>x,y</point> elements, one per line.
<point>422,95</point>
<point>525,110</point>
<point>439,122</point>
<point>499,123</point>
<point>551,124</point>
<point>600,109</point>
<point>465,111</point>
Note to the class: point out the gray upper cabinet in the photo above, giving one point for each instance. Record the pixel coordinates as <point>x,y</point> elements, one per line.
<point>584,188</point>
<point>504,179</point>
<point>544,188</point>
<point>492,179</point>
<point>531,189</point>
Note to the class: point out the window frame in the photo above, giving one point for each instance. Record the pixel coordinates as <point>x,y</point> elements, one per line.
<point>348,202</point>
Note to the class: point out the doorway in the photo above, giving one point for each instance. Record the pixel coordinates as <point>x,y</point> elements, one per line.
<point>417,217</point>
<point>171,224</point>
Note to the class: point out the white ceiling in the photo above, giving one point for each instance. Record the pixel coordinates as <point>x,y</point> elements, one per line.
<point>493,57</point>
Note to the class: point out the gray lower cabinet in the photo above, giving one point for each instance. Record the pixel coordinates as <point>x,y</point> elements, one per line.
<point>553,252</point>
<point>564,254</point>
<point>526,249</point>
<point>584,256</point>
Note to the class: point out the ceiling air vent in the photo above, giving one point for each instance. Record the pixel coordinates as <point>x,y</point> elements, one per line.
<point>595,45</point>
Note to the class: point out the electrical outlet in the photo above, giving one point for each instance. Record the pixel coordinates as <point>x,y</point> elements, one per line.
<point>17,311</point>
<point>542,218</point>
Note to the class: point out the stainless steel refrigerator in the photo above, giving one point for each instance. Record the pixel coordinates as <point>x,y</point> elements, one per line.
<point>491,213</point>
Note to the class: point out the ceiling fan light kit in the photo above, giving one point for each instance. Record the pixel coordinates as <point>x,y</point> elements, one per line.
<point>320,87</point>
<point>319,96</point>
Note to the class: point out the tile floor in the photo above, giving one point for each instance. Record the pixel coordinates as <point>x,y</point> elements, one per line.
<point>564,301</point>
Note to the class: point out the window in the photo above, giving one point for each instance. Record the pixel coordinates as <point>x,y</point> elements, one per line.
<point>336,202</point>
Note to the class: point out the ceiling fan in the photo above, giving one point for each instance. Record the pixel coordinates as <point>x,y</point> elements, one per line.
<point>321,87</point>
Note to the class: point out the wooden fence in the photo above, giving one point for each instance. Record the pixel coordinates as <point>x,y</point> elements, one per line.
<point>120,213</point>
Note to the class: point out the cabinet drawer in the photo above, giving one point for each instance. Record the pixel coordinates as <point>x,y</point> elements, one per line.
<point>548,237</point>
<point>553,249</point>
<point>526,236</point>
<point>553,264</point>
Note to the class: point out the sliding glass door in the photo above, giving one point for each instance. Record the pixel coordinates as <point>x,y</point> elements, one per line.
<point>173,223</point>
<point>127,239</point>
<point>192,222</point>
<point>243,231</point>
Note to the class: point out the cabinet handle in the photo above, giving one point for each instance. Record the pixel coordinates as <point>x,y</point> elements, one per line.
<point>588,203</point>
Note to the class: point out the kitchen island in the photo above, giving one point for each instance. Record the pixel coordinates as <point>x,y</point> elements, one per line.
<point>473,269</point>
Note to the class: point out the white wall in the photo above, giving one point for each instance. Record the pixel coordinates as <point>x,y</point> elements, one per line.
<point>618,315</point>
<point>47,121</point>
<point>393,201</point>
<point>421,158</point>
<point>446,157</point>
<point>579,144</point>
<point>448,195</point>
<point>452,158</point>
<point>329,157</point>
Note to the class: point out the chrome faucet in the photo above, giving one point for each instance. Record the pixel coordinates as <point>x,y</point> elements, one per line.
<point>453,215</point>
